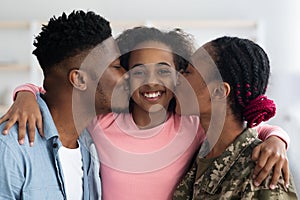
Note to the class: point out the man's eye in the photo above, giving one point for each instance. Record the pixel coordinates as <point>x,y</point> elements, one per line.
<point>117,66</point>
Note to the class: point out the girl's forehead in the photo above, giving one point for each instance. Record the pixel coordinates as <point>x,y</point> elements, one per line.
<point>151,56</point>
<point>151,53</point>
<point>158,45</point>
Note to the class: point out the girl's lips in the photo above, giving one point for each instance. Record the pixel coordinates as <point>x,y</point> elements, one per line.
<point>152,96</point>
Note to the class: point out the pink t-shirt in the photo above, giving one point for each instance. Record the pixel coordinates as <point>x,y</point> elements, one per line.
<point>144,163</point>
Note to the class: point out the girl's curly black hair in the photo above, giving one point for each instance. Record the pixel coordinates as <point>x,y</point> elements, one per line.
<point>180,43</point>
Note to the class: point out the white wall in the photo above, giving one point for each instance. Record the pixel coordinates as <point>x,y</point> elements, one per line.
<point>280,33</point>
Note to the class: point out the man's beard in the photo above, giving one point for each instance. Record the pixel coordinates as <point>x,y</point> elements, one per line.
<point>102,101</point>
<point>111,101</point>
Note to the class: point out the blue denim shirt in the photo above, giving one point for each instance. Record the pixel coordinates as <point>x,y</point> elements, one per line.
<point>35,172</point>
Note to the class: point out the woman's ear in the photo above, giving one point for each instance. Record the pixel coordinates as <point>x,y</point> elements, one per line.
<point>78,79</point>
<point>220,91</point>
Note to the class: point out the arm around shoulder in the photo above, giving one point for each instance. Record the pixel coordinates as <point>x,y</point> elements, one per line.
<point>265,131</point>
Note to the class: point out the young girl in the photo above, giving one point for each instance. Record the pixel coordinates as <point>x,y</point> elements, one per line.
<point>145,152</point>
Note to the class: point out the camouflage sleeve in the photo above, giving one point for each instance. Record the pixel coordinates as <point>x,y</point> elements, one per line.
<point>184,190</point>
<point>271,194</point>
<point>280,192</point>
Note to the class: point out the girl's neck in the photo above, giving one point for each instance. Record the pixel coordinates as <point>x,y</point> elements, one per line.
<point>147,120</point>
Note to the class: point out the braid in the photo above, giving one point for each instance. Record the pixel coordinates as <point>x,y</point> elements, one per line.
<point>244,81</point>
<point>255,67</point>
<point>234,73</point>
<point>245,66</point>
<point>256,78</point>
<point>264,58</point>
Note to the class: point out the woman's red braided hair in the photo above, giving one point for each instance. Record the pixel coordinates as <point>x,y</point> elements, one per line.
<point>259,109</point>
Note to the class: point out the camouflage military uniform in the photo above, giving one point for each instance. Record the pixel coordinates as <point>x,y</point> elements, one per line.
<point>230,176</point>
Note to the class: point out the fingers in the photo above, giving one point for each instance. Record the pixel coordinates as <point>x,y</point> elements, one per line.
<point>35,121</point>
<point>39,124</point>
<point>270,155</point>
<point>31,130</point>
<point>260,160</point>
<point>3,119</point>
<point>276,174</point>
<point>22,130</point>
<point>32,122</point>
<point>267,162</point>
<point>286,173</point>
<point>256,152</point>
<point>263,169</point>
<point>9,124</point>
<point>26,112</point>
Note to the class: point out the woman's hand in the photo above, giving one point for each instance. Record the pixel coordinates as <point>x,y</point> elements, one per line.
<point>25,110</point>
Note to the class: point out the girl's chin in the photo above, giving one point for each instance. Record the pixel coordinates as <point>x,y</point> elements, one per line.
<point>157,108</point>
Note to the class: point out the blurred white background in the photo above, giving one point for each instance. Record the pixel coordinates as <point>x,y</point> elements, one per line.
<point>276,28</point>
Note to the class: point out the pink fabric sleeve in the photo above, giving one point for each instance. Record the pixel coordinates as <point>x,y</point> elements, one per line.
<point>28,87</point>
<point>265,131</point>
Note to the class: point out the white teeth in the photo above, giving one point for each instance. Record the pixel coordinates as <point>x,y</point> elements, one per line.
<point>152,94</point>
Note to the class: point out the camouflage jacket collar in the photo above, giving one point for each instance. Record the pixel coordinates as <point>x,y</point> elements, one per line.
<point>215,174</point>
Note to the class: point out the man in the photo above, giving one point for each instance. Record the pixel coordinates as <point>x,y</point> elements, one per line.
<point>73,52</point>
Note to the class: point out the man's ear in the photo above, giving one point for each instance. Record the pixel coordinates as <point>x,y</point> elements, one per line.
<point>78,79</point>
<point>220,91</point>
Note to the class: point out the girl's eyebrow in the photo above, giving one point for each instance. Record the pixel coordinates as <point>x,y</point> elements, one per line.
<point>138,65</point>
<point>163,63</point>
<point>157,65</point>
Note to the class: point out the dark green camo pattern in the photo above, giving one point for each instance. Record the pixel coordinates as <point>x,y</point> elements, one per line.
<point>230,176</point>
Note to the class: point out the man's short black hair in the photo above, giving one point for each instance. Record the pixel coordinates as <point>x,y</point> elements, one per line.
<point>68,35</point>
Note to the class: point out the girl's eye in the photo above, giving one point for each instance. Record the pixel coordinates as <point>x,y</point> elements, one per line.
<point>164,72</point>
<point>138,73</point>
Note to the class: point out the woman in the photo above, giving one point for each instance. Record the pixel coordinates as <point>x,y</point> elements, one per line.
<point>231,76</point>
